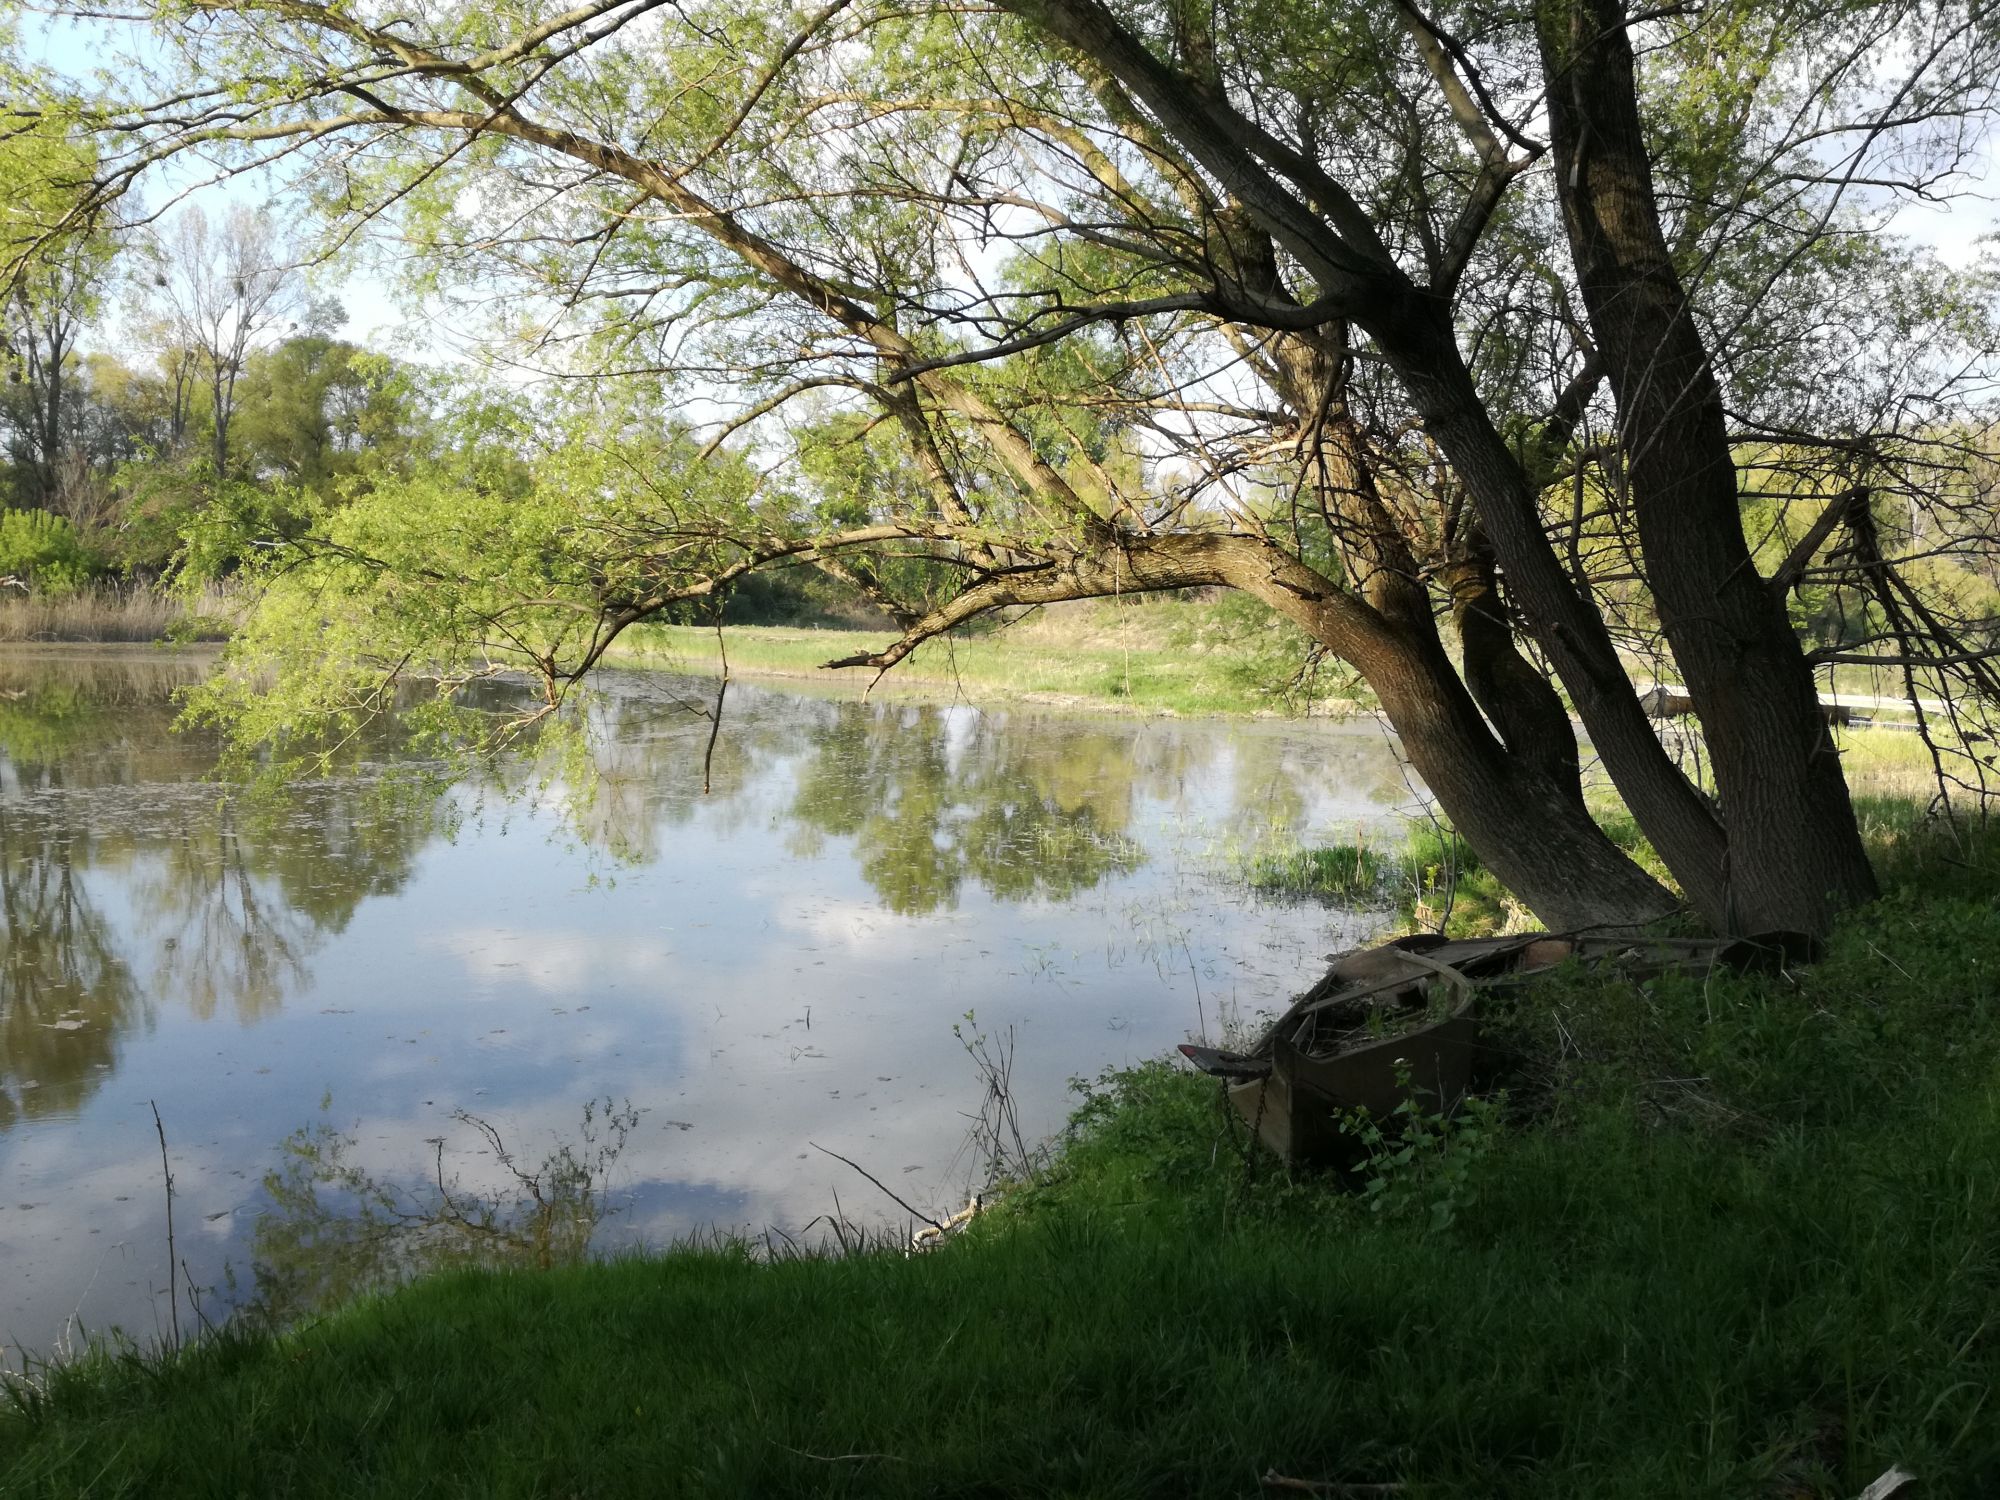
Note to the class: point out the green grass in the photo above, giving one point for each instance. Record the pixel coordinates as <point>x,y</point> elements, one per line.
<point>1156,655</point>
<point>1351,875</point>
<point>1725,1237</point>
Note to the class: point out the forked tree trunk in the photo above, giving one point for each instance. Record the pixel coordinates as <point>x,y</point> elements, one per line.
<point>1413,328</point>
<point>1528,826</point>
<point>1419,341</point>
<point>1795,852</point>
<point>1520,701</point>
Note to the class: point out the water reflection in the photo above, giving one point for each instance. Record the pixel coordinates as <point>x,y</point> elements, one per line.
<point>65,994</point>
<point>331,1229</point>
<point>935,797</point>
<point>223,900</point>
<point>125,878</point>
<point>774,961</point>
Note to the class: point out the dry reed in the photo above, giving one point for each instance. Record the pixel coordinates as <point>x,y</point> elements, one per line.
<point>110,612</point>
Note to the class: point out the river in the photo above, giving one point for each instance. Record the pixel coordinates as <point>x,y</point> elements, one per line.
<point>773,965</point>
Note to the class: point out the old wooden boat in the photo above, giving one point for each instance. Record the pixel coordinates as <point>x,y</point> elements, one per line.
<point>1398,1022</point>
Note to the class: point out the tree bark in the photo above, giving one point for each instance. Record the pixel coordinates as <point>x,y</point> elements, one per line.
<point>1519,700</point>
<point>1795,855</point>
<point>1418,340</point>
<point>1529,827</point>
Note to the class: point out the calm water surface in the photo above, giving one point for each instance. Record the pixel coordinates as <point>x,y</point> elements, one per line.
<point>777,963</point>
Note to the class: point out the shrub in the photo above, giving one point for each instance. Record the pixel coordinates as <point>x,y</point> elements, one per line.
<point>44,552</point>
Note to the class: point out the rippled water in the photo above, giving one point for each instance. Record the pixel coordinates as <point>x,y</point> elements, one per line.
<point>777,963</point>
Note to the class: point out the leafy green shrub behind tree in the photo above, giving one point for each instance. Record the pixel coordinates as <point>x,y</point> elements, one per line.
<point>44,552</point>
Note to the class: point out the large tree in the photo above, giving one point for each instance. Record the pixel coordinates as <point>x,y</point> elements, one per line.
<point>48,306</point>
<point>219,291</point>
<point>1382,314</point>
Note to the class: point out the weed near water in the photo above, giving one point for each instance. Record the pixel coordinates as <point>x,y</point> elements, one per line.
<point>114,612</point>
<point>1429,877</point>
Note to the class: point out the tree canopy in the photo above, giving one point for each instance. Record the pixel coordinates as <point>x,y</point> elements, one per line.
<point>1495,346</point>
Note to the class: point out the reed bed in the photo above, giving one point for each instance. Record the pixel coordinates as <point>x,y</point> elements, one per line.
<point>107,613</point>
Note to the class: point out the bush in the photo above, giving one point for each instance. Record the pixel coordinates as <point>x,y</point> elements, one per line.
<point>44,552</point>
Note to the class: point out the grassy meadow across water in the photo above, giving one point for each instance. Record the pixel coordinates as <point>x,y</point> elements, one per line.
<point>1150,654</point>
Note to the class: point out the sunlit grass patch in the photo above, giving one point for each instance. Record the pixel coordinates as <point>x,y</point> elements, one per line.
<point>1193,656</point>
<point>1431,879</point>
<point>1344,874</point>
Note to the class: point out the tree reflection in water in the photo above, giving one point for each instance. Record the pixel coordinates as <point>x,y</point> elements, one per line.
<point>222,899</point>
<point>65,995</point>
<point>332,1229</point>
<point>935,797</point>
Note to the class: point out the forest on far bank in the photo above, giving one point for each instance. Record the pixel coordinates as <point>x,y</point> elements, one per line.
<point>185,391</point>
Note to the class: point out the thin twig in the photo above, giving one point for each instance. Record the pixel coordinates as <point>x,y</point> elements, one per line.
<point>194,1298</point>
<point>173,1292</point>
<point>900,1202</point>
<point>840,1458</point>
<point>715,714</point>
<point>1332,1488</point>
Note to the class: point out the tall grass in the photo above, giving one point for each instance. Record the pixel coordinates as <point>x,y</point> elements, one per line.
<point>1347,875</point>
<point>1431,879</point>
<point>114,612</point>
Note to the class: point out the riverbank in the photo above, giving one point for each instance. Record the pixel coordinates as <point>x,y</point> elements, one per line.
<point>114,614</point>
<point>1149,654</point>
<point>1730,1238</point>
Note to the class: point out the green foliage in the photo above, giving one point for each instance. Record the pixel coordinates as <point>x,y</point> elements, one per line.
<point>44,551</point>
<point>1341,874</point>
<point>1422,1163</point>
<point>512,551</point>
<point>314,408</point>
<point>1435,880</point>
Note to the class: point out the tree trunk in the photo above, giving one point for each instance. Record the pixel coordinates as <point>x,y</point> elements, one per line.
<point>1341,248</point>
<point>1418,340</point>
<point>1530,828</point>
<point>1526,710</point>
<point>1795,855</point>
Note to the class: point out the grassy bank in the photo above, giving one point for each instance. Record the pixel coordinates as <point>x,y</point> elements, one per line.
<point>106,613</point>
<point>1151,654</point>
<point>1733,1238</point>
